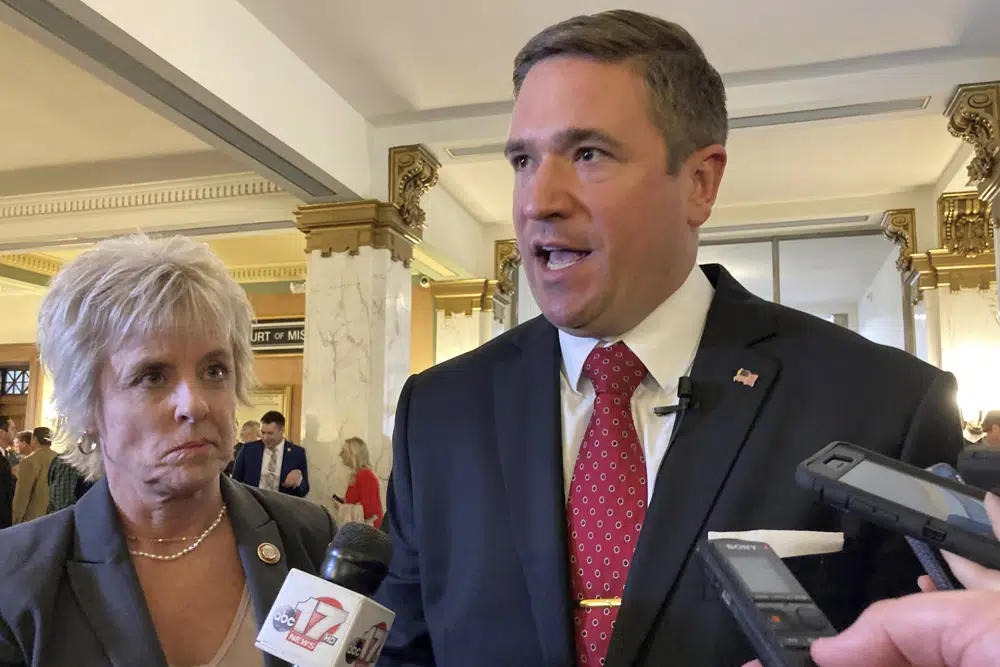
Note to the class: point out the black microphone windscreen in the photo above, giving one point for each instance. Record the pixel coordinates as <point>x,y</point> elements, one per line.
<point>361,538</point>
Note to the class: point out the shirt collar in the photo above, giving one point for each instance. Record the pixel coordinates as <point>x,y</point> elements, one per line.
<point>665,342</point>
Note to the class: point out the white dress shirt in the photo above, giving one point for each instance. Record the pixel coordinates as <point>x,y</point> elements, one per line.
<point>666,343</point>
<point>278,452</point>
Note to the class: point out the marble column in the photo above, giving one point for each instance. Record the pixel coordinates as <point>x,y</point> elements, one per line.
<point>358,301</point>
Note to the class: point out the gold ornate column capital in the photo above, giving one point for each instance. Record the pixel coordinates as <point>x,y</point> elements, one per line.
<point>966,258</point>
<point>347,226</point>
<point>412,172</point>
<point>974,116</point>
<point>900,227</point>
<point>964,224</point>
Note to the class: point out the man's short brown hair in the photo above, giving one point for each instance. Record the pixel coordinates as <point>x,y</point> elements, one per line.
<point>687,99</point>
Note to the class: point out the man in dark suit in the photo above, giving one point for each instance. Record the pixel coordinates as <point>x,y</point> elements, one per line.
<point>273,463</point>
<point>522,510</point>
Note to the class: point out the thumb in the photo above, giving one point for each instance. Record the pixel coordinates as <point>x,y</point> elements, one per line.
<point>951,629</point>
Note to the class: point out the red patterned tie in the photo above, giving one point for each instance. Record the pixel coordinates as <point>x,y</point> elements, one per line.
<point>607,498</point>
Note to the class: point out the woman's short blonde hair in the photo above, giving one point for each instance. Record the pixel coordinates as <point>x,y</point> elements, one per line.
<point>357,454</point>
<point>131,288</point>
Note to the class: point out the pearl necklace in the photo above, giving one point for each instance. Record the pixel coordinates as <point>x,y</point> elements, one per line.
<point>186,550</point>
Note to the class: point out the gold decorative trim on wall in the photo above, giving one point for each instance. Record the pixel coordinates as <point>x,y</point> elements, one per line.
<point>967,259</point>
<point>268,273</point>
<point>974,116</point>
<point>964,224</point>
<point>41,264</point>
<point>462,297</point>
<point>347,226</point>
<point>412,172</point>
<point>900,227</point>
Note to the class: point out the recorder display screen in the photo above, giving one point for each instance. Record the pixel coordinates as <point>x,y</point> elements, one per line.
<point>758,573</point>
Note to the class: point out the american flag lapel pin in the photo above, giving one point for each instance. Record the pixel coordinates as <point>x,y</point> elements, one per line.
<point>745,377</point>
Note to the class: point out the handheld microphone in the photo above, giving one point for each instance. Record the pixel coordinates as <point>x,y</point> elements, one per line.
<point>685,399</point>
<point>330,621</point>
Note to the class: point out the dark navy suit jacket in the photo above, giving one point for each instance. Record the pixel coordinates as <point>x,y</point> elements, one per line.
<point>477,511</point>
<point>69,594</point>
<point>247,466</point>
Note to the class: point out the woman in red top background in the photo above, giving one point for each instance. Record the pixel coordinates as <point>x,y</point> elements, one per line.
<point>363,487</point>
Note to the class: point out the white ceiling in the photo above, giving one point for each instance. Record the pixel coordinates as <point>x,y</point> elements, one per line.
<point>398,56</point>
<point>52,113</point>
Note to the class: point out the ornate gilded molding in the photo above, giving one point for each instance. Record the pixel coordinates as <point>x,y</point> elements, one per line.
<point>463,297</point>
<point>36,263</point>
<point>900,227</point>
<point>412,172</point>
<point>967,259</point>
<point>964,224</point>
<point>506,260</point>
<point>136,196</point>
<point>269,273</point>
<point>939,268</point>
<point>347,226</point>
<point>974,116</point>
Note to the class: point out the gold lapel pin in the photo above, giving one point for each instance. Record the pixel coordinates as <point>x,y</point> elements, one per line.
<point>268,553</point>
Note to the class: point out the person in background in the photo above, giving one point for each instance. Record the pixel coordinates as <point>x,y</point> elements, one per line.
<point>22,447</point>
<point>6,493</point>
<point>31,496</point>
<point>363,486</point>
<point>249,432</point>
<point>165,561</point>
<point>272,463</point>
<point>991,429</point>
<point>7,445</point>
<point>66,485</point>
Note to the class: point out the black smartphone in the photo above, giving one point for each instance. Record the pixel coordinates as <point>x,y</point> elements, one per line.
<point>903,498</point>
<point>930,558</point>
<point>776,614</point>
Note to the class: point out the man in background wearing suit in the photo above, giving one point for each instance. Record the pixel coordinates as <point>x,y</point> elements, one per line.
<point>541,513</point>
<point>273,463</point>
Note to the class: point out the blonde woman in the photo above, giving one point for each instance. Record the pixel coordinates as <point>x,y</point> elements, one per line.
<point>363,487</point>
<point>165,561</point>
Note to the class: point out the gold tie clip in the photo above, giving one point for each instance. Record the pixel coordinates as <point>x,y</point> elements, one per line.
<point>599,603</point>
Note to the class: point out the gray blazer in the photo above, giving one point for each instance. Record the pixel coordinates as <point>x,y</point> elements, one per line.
<point>69,594</point>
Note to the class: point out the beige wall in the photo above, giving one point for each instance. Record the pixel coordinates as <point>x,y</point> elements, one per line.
<point>18,318</point>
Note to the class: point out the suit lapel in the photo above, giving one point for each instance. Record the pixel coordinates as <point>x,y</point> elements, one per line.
<point>106,585</point>
<point>529,439</point>
<point>703,452</point>
<point>254,527</point>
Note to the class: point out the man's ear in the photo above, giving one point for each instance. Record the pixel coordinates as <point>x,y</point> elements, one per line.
<point>706,168</point>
